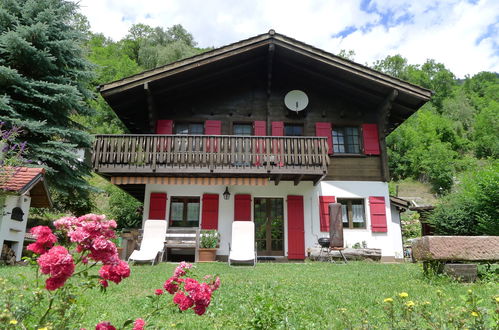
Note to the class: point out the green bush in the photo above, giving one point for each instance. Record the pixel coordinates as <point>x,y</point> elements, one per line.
<point>472,208</point>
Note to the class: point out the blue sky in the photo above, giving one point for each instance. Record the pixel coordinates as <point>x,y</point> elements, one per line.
<point>462,34</point>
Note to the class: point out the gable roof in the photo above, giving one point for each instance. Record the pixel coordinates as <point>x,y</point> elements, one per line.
<point>20,180</point>
<point>372,86</point>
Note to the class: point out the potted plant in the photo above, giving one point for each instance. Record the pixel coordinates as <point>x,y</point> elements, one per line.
<point>208,243</point>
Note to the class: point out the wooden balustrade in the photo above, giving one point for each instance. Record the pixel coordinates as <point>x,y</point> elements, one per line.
<point>224,154</point>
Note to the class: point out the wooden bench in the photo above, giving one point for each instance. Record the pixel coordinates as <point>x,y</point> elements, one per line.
<point>182,239</point>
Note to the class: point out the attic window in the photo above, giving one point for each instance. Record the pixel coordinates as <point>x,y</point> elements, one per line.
<point>17,214</point>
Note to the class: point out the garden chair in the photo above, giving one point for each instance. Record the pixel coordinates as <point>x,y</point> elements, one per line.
<point>243,242</point>
<point>153,242</point>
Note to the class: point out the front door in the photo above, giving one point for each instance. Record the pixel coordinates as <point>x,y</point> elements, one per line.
<point>269,226</point>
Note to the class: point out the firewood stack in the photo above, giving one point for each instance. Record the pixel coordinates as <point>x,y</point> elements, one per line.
<point>8,256</point>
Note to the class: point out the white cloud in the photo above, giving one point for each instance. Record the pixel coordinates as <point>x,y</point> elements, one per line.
<point>447,30</point>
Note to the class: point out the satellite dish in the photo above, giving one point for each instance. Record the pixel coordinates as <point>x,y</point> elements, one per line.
<point>296,100</point>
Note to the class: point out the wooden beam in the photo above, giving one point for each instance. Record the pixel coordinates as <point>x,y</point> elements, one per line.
<point>350,89</point>
<point>202,79</point>
<point>270,66</point>
<point>200,60</point>
<point>298,179</point>
<point>278,179</point>
<point>384,119</point>
<point>151,108</point>
<point>319,179</point>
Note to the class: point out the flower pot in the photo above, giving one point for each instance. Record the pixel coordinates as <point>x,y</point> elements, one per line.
<point>207,255</point>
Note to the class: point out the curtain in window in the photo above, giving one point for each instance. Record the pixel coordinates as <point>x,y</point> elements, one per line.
<point>177,211</point>
<point>193,212</point>
<point>344,213</point>
<point>357,213</point>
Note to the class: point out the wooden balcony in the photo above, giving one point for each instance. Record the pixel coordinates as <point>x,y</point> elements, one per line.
<point>277,158</point>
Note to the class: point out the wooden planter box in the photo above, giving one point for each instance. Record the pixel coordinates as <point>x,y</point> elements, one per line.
<point>207,255</point>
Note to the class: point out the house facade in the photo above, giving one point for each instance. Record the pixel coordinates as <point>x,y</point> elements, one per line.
<point>269,130</point>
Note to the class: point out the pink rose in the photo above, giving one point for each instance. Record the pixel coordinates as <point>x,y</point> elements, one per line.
<point>158,292</point>
<point>171,285</point>
<point>45,239</point>
<point>139,324</point>
<point>57,263</point>
<point>183,302</point>
<point>105,326</point>
<point>199,310</point>
<point>115,273</point>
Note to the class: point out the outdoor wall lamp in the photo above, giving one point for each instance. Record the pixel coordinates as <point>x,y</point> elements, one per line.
<point>226,193</point>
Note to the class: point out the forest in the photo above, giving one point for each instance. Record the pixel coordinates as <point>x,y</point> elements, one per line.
<point>451,144</point>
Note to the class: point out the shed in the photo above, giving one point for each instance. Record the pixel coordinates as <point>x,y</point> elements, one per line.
<point>21,188</point>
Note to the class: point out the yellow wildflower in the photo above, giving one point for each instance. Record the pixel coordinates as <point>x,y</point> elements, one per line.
<point>343,310</point>
<point>427,303</point>
<point>388,300</point>
<point>469,291</point>
<point>474,314</point>
<point>14,322</point>
<point>403,295</point>
<point>410,303</point>
<point>497,299</point>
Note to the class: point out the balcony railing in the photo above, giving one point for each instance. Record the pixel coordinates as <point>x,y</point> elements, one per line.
<point>210,154</point>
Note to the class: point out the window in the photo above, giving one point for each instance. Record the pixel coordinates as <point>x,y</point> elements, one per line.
<point>243,129</point>
<point>293,130</point>
<point>346,140</point>
<point>189,128</point>
<point>352,211</point>
<point>184,212</point>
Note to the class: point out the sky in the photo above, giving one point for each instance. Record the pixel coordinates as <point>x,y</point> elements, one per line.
<point>462,34</point>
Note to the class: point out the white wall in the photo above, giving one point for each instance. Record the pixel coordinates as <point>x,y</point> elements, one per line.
<point>388,242</point>
<point>398,245</point>
<point>12,230</point>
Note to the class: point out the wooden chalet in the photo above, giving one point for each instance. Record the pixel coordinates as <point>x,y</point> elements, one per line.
<point>281,127</point>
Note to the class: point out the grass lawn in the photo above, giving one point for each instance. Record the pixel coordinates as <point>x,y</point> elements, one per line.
<point>297,295</point>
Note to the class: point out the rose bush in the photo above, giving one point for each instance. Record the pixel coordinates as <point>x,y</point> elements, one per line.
<point>88,244</point>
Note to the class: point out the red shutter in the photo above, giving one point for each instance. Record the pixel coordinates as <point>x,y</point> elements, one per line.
<point>324,211</point>
<point>164,126</point>
<point>277,128</point>
<point>242,208</point>
<point>325,129</point>
<point>157,206</point>
<point>371,139</point>
<point>296,228</point>
<point>378,214</point>
<point>213,127</point>
<point>259,128</point>
<point>209,216</point>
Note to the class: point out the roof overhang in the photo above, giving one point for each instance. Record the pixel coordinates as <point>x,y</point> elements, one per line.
<point>399,203</point>
<point>356,81</point>
<point>36,187</point>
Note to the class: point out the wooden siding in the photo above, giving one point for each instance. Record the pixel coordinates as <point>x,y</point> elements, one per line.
<point>355,169</point>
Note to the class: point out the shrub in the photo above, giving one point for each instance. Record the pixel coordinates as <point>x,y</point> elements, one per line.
<point>472,208</point>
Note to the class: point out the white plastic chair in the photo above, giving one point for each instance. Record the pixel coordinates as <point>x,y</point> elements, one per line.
<point>153,242</point>
<point>243,242</point>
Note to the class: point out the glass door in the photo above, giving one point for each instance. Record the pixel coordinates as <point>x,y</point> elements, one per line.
<point>269,226</point>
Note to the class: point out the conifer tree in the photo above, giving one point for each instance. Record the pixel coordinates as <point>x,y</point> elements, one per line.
<point>44,81</point>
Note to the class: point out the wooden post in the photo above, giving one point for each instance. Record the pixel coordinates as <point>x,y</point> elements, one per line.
<point>151,108</point>
<point>384,115</point>
<point>335,226</point>
<point>270,60</point>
